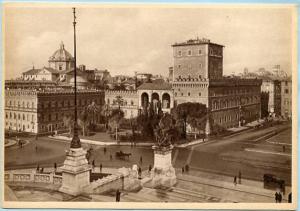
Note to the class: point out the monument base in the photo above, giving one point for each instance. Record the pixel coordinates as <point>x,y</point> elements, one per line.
<point>75,172</point>
<point>162,173</point>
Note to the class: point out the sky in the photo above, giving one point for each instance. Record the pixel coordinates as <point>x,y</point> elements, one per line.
<point>128,39</point>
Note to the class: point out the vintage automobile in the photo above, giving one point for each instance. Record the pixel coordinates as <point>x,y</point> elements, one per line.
<point>122,155</point>
<point>273,182</point>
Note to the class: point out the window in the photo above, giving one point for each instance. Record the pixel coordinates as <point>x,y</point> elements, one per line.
<point>189,94</point>
<point>200,52</point>
<point>179,66</point>
<point>286,91</point>
<point>175,94</point>
<point>60,67</point>
<point>199,93</point>
<point>179,53</point>
<point>132,103</point>
<point>181,94</point>
<point>200,65</point>
<point>27,104</point>
<point>189,52</point>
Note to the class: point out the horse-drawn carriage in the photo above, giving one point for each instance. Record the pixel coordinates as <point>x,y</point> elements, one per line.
<point>122,155</point>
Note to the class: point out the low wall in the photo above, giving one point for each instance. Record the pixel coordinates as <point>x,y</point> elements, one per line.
<point>32,177</point>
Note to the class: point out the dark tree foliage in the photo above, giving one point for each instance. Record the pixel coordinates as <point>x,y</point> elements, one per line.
<point>189,113</point>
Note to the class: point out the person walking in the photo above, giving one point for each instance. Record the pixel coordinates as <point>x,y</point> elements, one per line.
<point>55,167</point>
<point>182,170</point>
<point>234,180</point>
<point>240,177</point>
<point>141,160</point>
<point>93,164</point>
<point>150,168</point>
<point>140,172</point>
<point>118,194</point>
<point>276,197</point>
<point>100,167</point>
<point>279,197</point>
<point>187,168</point>
<point>38,168</point>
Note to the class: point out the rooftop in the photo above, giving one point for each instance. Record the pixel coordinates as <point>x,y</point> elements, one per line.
<point>196,42</point>
<point>155,85</point>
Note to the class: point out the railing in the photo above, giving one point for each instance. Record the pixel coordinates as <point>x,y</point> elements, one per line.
<point>32,177</point>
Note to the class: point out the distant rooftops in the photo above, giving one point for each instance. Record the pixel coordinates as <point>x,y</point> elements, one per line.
<point>196,42</point>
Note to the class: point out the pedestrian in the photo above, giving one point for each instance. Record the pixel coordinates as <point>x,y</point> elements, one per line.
<point>150,168</point>
<point>240,177</point>
<point>276,197</point>
<point>290,198</point>
<point>118,194</point>
<point>279,197</point>
<point>182,169</point>
<point>93,164</point>
<point>110,157</point>
<point>55,167</point>
<point>140,172</point>
<point>100,167</point>
<point>187,168</point>
<point>104,150</point>
<point>141,159</point>
<point>234,180</point>
<point>38,168</point>
<point>42,170</point>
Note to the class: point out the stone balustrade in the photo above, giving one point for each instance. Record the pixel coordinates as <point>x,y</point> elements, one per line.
<point>15,176</point>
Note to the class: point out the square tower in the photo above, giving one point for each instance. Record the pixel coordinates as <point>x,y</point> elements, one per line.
<point>197,58</point>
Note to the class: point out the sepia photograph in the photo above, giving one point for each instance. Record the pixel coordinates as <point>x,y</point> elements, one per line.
<point>149,106</point>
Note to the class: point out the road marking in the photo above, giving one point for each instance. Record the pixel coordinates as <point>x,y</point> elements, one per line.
<point>267,152</point>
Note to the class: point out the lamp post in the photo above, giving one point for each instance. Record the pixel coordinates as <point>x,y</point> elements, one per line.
<point>75,143</point>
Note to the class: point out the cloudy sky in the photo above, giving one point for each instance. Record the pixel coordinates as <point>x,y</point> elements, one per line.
<point>124,40</point>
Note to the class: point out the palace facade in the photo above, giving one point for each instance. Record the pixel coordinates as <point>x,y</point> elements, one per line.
<point>197,76</point>
<point>44,111</point>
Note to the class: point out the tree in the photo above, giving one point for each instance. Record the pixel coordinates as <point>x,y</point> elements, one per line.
<point>106,112</point>
<point>92,111</point>
<point>84,120</point>
<point>68,122</point>
<point>119,101</point>
<point>114,120</point>
<point>189,113</point>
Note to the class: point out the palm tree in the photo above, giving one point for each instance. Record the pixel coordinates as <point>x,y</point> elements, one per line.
<point>92,111</point>
<point>119,101</point>
<point>106,112</point>
<point>68,122</point>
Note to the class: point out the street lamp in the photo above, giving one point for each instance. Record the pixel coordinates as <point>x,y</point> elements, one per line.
<point>75,143</point>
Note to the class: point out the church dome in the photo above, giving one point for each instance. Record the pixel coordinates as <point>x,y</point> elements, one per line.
<point>61,54</point>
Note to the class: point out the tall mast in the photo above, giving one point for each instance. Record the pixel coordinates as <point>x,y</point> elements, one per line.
<point>75,143</point>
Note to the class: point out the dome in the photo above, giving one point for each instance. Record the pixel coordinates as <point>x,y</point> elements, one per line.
<point>61,54</point>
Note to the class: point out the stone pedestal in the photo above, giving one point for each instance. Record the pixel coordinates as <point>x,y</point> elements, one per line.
<point>75,172</point>
<point>162,173</point>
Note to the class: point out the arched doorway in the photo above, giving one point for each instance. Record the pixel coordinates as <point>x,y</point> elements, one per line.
<point>144,100</point>
<point>166,100</point>
<point>155,101</point>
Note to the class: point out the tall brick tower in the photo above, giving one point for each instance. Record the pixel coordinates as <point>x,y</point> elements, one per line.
<point>197,58</point>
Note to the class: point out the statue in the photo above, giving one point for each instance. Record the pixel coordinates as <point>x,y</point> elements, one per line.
<point>164,132</point>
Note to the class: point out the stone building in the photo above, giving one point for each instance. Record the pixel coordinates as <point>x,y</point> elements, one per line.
<point>198,77</point>
<point>129,101</point>
<point>43,111</point>
<point>286,98</point>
